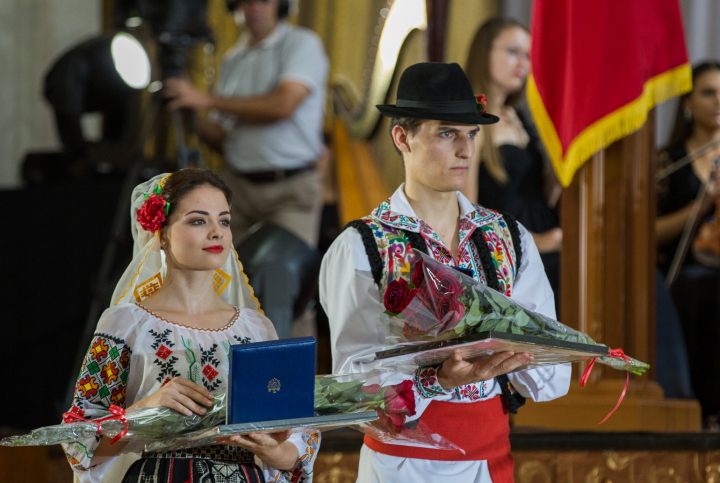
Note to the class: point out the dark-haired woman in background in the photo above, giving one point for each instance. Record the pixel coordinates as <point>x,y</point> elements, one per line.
<point>697,289</point>
<point>509,165</point>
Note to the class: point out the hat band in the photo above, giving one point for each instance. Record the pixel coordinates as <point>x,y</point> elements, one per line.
<point>446,107</point>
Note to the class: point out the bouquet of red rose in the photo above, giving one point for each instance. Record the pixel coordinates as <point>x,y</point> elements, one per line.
<point>442,302</point>
<point>372,391</point>
<point>143,423</point>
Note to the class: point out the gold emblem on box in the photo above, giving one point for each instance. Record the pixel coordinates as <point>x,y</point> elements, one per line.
<point>274,385</point>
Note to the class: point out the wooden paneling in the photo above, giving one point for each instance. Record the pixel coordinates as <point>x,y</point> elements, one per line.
<point>608,291</point>
<point>28,463</point>
<point>608,251</point>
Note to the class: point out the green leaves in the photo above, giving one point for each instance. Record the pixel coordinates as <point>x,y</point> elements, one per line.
<point>332,396</point>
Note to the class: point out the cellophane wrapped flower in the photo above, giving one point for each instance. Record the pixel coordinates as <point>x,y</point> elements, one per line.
<point>394,402</point>
<point>143,423</point>
<point>444,303</point>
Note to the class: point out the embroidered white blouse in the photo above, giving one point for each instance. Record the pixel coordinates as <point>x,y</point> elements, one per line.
<point>134,352</point>
<point>353,303</point>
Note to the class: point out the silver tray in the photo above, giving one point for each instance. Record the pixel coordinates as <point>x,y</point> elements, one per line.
<point>207,437</point>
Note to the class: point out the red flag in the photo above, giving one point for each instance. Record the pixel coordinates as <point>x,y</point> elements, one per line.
<point>598,67</point>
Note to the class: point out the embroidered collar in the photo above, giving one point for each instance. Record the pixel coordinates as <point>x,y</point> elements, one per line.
<point>398,213</point>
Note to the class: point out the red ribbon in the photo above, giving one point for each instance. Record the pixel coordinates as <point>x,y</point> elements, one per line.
<point>613,353</point>
<point>118,415</point>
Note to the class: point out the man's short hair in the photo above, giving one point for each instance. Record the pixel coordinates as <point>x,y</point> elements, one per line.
<point>283,7</point>
<point>410,124</point>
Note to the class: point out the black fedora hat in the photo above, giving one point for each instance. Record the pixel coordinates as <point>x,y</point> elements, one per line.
<point>442,92</point>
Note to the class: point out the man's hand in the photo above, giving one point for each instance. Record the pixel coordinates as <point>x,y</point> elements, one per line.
<point>183,94</point>
<point>457,372</point>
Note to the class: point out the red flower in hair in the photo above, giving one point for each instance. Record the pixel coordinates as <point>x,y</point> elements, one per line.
<point>481,101</point>
<point>151,214</point>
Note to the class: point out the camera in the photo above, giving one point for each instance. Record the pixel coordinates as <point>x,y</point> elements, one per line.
<point>177,25</point>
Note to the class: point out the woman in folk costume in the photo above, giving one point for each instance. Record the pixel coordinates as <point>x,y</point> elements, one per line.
<point>434,123</point>
<point>165,340</point>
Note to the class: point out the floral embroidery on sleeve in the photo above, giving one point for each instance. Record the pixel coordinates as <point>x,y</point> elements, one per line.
<point>426,382</point>
<point>303,472</point>
<point>102,383</point>
<point>473,392</point>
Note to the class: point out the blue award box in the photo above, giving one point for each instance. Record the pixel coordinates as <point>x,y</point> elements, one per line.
<point>271,380</point>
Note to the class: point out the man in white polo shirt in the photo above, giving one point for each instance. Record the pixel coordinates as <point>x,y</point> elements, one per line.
<point>266,117</point>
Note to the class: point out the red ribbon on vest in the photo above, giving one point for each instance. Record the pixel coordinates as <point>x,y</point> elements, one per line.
<point>118,414</point>
<point>613,353</point>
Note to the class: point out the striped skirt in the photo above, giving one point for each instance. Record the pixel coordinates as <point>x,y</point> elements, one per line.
<point>212,464</point>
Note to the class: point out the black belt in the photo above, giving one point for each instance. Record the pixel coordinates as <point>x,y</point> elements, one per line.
<point>217,452</point>
<point>275,174</point>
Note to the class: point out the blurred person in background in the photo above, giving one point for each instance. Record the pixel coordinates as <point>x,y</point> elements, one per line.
<point>509,172</point>
<point>266,118</point>
<point>696,290</point>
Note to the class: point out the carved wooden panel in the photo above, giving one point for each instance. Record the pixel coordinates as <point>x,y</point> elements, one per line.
<point>571,467</point>
<point>617,467</point>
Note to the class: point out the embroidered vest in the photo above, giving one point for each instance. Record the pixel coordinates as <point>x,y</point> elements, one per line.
<point>493,253</point>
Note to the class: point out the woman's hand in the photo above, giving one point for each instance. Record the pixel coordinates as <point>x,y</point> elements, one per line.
<point>180,394</point>
<point>272,448</point>
<point>549,241</point>
<point>457,372</point>
<point>711,196</point>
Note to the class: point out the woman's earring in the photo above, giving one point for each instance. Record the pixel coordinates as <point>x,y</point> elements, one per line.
<point>687,114</point>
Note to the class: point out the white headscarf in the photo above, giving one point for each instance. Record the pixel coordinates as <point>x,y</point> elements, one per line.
<point>146,272</point>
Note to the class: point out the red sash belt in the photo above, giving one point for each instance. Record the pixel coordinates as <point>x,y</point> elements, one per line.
<point>481,429</point>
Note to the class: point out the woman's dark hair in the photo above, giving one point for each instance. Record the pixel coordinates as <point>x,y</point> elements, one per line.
<point>478,72</point>
<point>683,127</point>
<point>182,182</point>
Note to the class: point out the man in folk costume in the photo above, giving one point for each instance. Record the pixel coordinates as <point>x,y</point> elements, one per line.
<point>434,124</point>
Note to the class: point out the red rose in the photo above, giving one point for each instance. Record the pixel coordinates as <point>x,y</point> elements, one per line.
<point>371,389</point>
<point>440,294</point>
<point>151,214</point>
<point>398,296</point>
<point>399,403</point>
<point>449,311</point>
<point>444,282</point>
<point>418,276</point>
<point>481,100</point>
<point>400,399</point>
<point>419,323</point>
<point>391,424</point>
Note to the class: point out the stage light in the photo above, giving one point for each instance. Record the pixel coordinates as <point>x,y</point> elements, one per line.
<point>103,74</point>
<point>130,60</point>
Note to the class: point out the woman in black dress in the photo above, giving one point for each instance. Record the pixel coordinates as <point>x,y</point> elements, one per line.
<point>509,166</point>
<point>697,288</point>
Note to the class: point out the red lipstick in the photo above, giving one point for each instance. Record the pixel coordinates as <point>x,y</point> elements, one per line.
<point>214,249</point>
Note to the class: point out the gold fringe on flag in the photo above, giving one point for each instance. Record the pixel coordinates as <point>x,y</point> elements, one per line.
<point>616,125</point>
